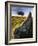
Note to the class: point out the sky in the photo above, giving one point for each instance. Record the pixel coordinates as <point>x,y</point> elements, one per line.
<point>16,9</point>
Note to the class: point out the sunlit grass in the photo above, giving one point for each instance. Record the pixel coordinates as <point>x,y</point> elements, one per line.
<point>17,21</point>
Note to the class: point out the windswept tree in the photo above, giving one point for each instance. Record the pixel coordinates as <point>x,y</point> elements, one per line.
<point>20,13</point>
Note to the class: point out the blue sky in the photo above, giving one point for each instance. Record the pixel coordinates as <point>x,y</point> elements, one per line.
<point>26,10</point>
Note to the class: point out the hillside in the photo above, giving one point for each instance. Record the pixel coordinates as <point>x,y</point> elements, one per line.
<point>17,21</point>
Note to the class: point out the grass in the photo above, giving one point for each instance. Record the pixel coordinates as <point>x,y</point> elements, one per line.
<point>17,21</point>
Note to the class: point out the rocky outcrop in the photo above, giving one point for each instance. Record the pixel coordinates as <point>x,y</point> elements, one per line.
<point>26,30</point>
